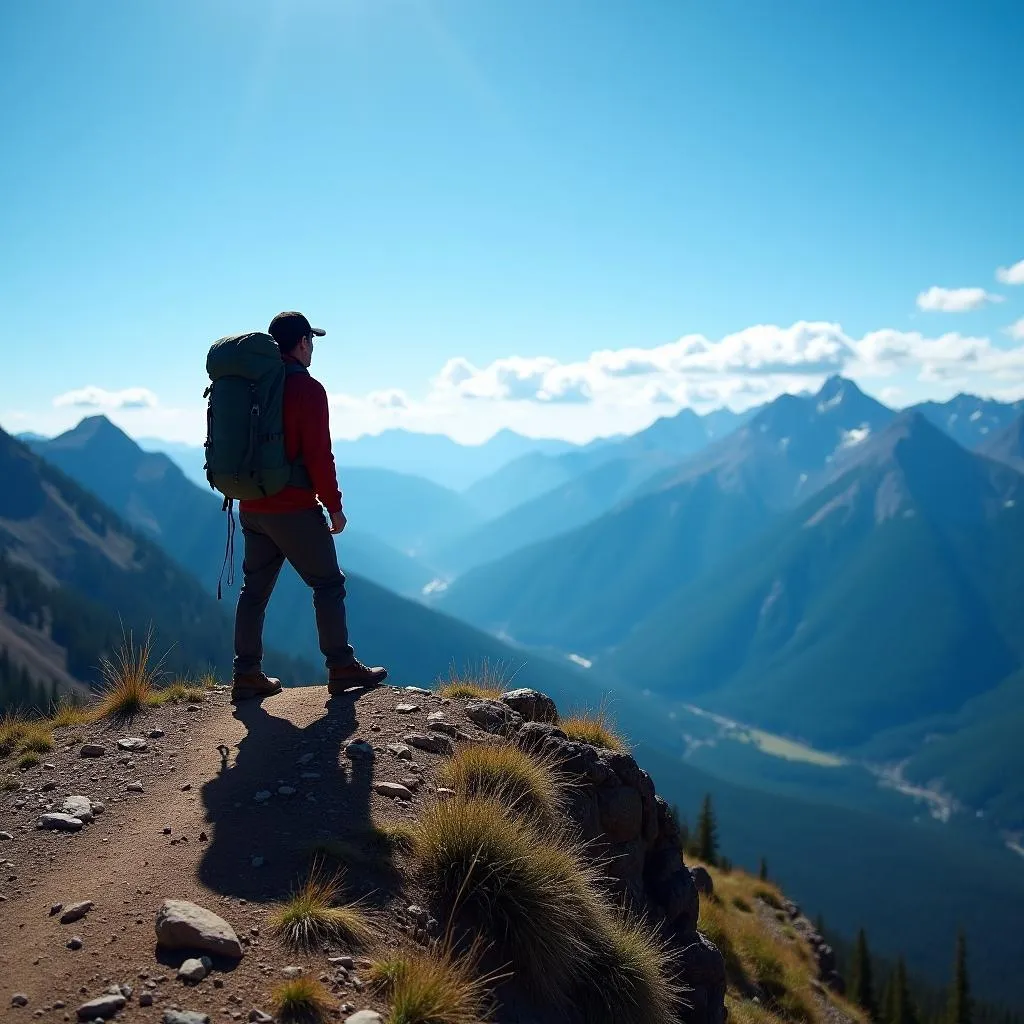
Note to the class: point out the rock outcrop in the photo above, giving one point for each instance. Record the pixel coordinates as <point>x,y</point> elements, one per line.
<point>614,806</point>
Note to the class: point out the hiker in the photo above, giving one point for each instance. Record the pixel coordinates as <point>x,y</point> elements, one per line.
<point>291,524</point>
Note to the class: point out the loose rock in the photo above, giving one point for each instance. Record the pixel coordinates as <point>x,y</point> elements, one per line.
<point>75,942</point>
<point>365,1017</point>
<point>78,807</point>
<point>195,969</point>
<point>185,1017</point>
<point>133,743</point>
<point>19,999</point>
<point>6,836</point>
<point>532,705</point>
<point>59,823</point>
<point>393,789</point>
<point>359,748</point>
<point>406,709</point>
<point>259,1017</point>
<point>262,796</point>
<point>433,744</point>
<point>400,750</point>
<point>493,716</point>
<point>76,912</point>
<point>105,1006</point>
<point>92,750</point>
<point>184,925</point>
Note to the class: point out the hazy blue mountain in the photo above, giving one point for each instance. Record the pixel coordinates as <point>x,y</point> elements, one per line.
<point>667,441</point>
<point>1006,445</point>
<point>416,643</point>
<point>617,540</point>
<point>153,494</point>
<point>890,596</point>
<point>75,576</point>
<point>970,420</point>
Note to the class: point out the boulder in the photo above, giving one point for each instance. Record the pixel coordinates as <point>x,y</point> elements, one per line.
<point>393,789</point>
<point>533,705</point>
<point>195,969</point>
<point>493,716</point>
<point>184,925</point>
<point>434,743</point>
<point>92,750</point>
<point>622,813</point>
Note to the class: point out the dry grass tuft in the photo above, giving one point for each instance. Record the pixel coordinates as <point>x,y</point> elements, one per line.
<point>301,1001</point>
<point>27,761</point>
<point>595,728</point>
<point>633,965</point>
<point>433,987</point>
<point>12,729</point>
<point>527,888</point>
<point>373,846</point>
<point>507,773</point>
<point>67,713</point>
<point>483,683</point>
<point>129,681</point>
<point>312,916</point>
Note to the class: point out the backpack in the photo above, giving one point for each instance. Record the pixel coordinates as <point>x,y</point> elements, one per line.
<point>245,453</point>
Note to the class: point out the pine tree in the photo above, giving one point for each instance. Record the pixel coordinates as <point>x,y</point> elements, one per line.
<point>707,833</point>
<point>901,1010</point>
<point>763,872</point>
<point>958,1008</point>
<point>861,985</point>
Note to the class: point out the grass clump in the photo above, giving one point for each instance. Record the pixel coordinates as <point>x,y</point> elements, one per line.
<point>528,889</point>
<point>178,693</point>
<point>12,729</point>
<point>26,736</point>
<point>301,1001</point>
<point>29,760</point>
<point>312,916</point>
<point>508,774</point>
<point>67,713</point>
<point>629,981</point>
<point>741,904</point>
<point>373,846</point>
<point>595,728</point>
<point>483,683</point>
<point>129,681</point>
<point>432,987</point>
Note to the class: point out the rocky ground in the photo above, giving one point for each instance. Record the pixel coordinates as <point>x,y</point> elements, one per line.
<point>218,806</point>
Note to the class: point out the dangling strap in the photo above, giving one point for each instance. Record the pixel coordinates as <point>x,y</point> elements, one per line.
<point>229,547</point>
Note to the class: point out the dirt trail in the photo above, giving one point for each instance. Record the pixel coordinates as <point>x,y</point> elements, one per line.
<point>200,779</point>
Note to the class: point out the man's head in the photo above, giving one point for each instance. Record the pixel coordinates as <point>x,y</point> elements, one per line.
<point>294,336</point>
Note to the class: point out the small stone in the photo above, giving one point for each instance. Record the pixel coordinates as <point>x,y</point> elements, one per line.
<point>186,787</point>
<point>167,830</point>
<point>446,728</point>
<point>6,836</point>
<point>434,744</point>
<point>292,972</point>
<point>306,758</point>
<point>286,790</point>
<point>259,1017</point>
<point>105,1006</point>
<point>412,782</point>
<point>359,748</point>
<point>185,1017</point>
<point>146,999</point>
<point>406,709</point>
<point>92,750</point>
<point>365,1017</point>
<point>257,861</point>
<point>156,734</point>
<point>400,750</point>
<point>133,743</point>
<point>76,912</point>
<point>48,787</point>
<point>195,969</point>
<point>342,961</point>
<point>135,787</point>
<point>393,789</point>
<point>56,909</point>
<point>75,942</point>
<point>442,791</point>
<point>436,716</point>
<point>59,823</point>
<point>203,837</point>
<point>262,796</point>
<point>19,999</point>
<point>310,775</point>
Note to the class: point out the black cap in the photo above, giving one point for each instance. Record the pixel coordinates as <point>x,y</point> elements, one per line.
<point>286,329</point>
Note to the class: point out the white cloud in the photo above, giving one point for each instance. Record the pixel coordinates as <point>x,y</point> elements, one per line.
<point>92,397</point>
<point>1016,330</point>
<point>954,300</point>
<point>1011,275</point>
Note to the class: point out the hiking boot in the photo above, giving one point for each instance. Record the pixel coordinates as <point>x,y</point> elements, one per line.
<point>254,684</point>
<point>356,674</point>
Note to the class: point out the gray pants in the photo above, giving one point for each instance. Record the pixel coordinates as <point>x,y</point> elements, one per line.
<point>305,539</point>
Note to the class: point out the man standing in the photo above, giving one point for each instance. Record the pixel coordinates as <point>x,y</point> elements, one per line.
<point>292,524</point>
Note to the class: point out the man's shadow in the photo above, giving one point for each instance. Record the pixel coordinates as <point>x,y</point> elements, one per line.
<point>280,797</point>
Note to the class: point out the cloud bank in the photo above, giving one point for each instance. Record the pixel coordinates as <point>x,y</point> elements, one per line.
<point>954,300</point>
<point>92,397</point>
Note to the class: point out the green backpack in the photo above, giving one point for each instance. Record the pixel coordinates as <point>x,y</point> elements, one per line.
<point>245,453</point>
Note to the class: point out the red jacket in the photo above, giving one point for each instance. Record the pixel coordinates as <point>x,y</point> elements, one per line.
<point>307,433</point>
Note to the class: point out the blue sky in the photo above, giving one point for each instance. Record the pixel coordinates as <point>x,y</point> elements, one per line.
<point>509,213</point>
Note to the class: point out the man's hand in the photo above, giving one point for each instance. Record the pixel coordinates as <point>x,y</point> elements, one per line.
<point>338,522</point>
